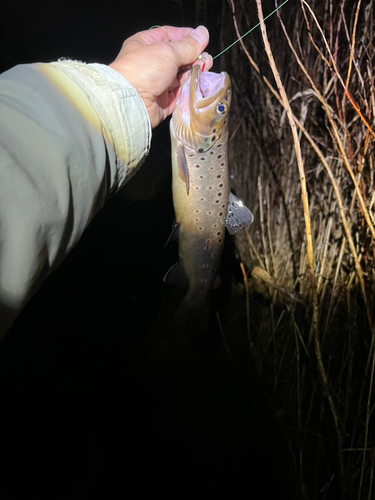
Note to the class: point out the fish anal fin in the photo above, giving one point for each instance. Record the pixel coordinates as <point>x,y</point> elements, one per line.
<point>176,276</point>
<point>238,215</point>
<point>182,166</point>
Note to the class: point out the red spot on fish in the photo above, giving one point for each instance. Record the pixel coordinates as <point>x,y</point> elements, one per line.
<point>201,177</point>
<point>210,187</point>
<point>205,266</point>
<point>207,241</point>
<point>197,187</point>
<point>206,248</point>
<point>203,280</point>
<point>201,199</point>
<point>197,220</point>
<point>197,211</point>
<point>214,224</point>
<point>200,229</point>
<point>209,213</point>
<point>214,254</point>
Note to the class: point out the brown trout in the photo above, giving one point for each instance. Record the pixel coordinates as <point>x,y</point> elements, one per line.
<point>203,203</point>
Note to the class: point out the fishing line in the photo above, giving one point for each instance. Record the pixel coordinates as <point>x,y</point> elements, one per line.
<point>158,26</point>
<point>253,28</point>
<point>234,43</point>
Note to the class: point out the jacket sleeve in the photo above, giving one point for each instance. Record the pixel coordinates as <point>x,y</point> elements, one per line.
<point>71,134</point>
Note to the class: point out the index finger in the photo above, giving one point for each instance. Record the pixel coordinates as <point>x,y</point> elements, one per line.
<point>164,34</point>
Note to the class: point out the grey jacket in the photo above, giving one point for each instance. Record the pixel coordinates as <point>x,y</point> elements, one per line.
<point>71,134</point>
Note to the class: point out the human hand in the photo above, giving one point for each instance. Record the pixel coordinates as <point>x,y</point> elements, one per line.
<point>156,67</point>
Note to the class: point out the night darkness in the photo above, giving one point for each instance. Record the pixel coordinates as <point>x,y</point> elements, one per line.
<point>100,396</point>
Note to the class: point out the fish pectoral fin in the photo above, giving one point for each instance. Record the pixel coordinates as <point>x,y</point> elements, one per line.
<point>182,166</point>
<point>238,215</point>
<point>174,233</point>
<point>176,276</point>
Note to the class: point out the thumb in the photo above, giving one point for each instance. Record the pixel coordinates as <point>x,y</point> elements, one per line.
<point>188,49</point>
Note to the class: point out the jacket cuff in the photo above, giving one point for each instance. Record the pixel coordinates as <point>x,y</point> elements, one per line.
<point>124,117</point>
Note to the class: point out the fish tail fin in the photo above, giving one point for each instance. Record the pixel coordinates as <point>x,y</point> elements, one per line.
<point>193,314</point>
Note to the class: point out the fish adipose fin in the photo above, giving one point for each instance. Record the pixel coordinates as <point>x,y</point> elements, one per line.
<point>238,215</point>
<point>182,166</point>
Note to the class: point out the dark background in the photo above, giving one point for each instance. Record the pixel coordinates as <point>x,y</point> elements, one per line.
<point>100,395</point>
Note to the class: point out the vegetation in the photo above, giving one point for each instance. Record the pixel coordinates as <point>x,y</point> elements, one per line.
<point>302,159</point>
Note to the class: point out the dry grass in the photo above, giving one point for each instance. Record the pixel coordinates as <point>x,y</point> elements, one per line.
<point>302,156</point>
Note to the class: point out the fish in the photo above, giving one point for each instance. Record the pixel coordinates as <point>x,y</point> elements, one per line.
<point>203,203</point>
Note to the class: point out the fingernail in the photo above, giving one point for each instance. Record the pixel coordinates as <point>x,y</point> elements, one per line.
<point>200,34</point>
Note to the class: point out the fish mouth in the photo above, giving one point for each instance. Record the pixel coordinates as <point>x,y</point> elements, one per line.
<point>208,87</point>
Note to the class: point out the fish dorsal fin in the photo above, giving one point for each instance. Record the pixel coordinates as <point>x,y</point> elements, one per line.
<point>182,166</point>
<point>238,215</point>
<point>176,276</point>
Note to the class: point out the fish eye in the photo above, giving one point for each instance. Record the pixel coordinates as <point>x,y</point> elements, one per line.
<point>222,107</point>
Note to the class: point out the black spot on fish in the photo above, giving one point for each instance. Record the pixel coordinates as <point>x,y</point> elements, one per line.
<point>219,194</point>
<point>217,201</point>
<point>220,185</point>
<point>221,213</point>
<point>222,164</point>
<point>222,206</point>
<point>203,159</point>
<point>214,130</point>
<point>219,145</point>
<point>213,138</point>
<point>218,234</point>
<point>218,177</point>
<point>200,150</point>
<point>211,152</point>
<point>220,156</point>
<point>197,166</point>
